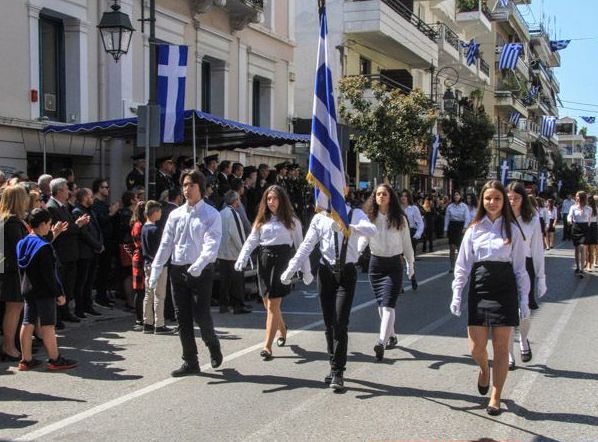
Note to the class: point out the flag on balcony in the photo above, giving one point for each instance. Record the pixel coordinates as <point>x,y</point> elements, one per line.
<point>514,118</point>
<point>510,55</point>
<point>542,182</point>
<point>172,70</point>
<point>326,171</point>
<point>557,45</point>
<point>548,126</point>
<point>434,154</point>
<point>589,120</point>
<point>504,3</point>
<point>504,172</point>
<point>473,51</point>
<point>531,95</point>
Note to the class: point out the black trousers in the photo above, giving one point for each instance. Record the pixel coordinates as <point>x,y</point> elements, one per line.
<point>192,302</point>
<point>232,287</point>
<point>68,278</point>
<point>86,270</point>
<point>104,272</point>
<point>566,228</point>
<point>336,301</point>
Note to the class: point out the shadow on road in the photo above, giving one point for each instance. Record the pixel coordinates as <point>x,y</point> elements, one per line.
<point>15,421</point>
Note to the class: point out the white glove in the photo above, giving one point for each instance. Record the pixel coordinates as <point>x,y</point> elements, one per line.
<point>193,271</point>
<point>153,280</point>
<point>286,277</point>
<point>541,287</point>
<point>410,271</point>
<point>308,278</point>
<point>239,266</point>
<point>456,308</point>
<point>524,312</point>
<point>336,227</point>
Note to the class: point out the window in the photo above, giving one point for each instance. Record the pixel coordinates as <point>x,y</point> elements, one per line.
<point>365,66</point>
<point>206,86</point>
<point>255,100</point>
<point>52,68</point>
<point>213,86</point>
<point>261,94</point>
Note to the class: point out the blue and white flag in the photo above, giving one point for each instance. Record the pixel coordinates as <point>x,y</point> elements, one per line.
<point>434,154</point>
<point>514,118</point>
<point>172,70</point>
<point>548,126</point>
<point>531,95</point>
<point>326,171</point>
<point>473,51</point>
<point>504,3</point>
<point>504,172</point>
<point>509,55</point>
<point>557,45</point>
<point>542,182</point>
<point>589,120</point>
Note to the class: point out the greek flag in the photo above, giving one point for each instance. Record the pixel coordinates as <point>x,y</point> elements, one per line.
<point>548,126</point>
<point>504,3</point>
<point>590,120</point>
<point>532,94</point>
<point>514,118</point>
<point>510,55</point>
<point>434,154</point>
<point>473,51</point>
<point>504,172</point>
<point>326,171</point>
<point>172,70</point>
<point>542,182</point>
<point>557,45</point>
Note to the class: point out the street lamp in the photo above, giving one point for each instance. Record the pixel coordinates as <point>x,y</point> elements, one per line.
<point>116,31</point>
<point>449,101</point>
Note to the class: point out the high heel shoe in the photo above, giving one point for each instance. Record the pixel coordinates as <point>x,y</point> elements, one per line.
<point>283,339</point>
<point>483,389</point>
<point>266,355</point>
<point>5,357</point>
<point>493,411</point>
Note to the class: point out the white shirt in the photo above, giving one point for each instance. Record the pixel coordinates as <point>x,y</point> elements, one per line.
<point>484,241</point>
<point>322,230</point>
<point>579,215</point>
<point>273,233</point>
<point>552,214</point>
<point>415,220</point>
<point>191,237</point>
<point>456,212</point>
<point>233,237</point>
<point>567,204</point>
<point>534,243</point>
<point>390,241</point>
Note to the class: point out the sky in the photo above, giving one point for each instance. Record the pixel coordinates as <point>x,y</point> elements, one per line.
<point>578,74</point>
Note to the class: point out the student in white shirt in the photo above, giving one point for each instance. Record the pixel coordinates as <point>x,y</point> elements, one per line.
<point>529,223</point>
<point>456,218</point>
<point>492,258</point>
<point>337,277</point>
<point>416,224</point>
<point>472,205</point>
<point>552,219</point>
<point>276,230</point>
<point>392,239</point>
<point>579,219</point>
<point>592,234</point>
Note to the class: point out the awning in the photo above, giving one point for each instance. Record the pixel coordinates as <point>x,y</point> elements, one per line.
<point>211,131</point>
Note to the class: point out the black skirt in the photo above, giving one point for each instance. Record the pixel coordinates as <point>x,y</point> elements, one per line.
<point>493,299</point>
<point>386,279</point>
<point>455,232</point>
<point>10,287</point>
<point>592,234</point>
<point>551,225</point>
<point>579,233</point>
<point>272,262</point>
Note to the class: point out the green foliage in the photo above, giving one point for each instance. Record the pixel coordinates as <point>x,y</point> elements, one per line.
<point>466,148</point>
<point>467,5</point>
<point>572,177</point>
<point>392,128</point>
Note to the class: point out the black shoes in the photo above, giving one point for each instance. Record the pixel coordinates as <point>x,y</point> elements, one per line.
<point>93,312</point>
<point>80,314</point>
<point>511,365</point>
<point>379,350</point>
<point>163,330</point>
<point>148,329</point>
<point>69,317</point>
<point>493,411</point>
<point>483,389</point>
<point>526,355</point>
<point>29,365</point>
<point>337,383</point>
<point>104,302</point>
<point>215,355</point>
<point>328,377</point>
<point>266,355</point>
<point>414,283</point>
<point>187,369</point>
<point>392,342</point>
<point>241,310</point>
<point>282,339</point>
<point>61,363</point>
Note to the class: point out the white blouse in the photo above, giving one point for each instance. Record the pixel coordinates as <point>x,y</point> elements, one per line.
<point>456,212</point>
<point>579,215</point>
<point>534,243</point>
<point>484,241</point>
<point>415,220</point>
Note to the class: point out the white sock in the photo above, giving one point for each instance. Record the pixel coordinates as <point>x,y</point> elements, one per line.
<point>387,324</point>
<point>524,326</point>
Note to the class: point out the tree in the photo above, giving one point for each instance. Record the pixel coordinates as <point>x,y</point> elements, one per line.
<point>572,179</point>
<point>392,129</point>
<point>466,148</point>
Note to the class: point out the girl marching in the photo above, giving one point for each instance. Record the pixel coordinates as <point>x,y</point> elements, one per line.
<point>579,219</point>
<point>456,218</point>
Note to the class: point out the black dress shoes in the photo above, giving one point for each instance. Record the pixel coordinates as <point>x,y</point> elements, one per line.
<point>414,283</point>
<point>187,369</point>
<point>328,377</point>
<point>392,342</point>
<point>69,317</point>
<point>80,315</point>
<point>337,383</point>
<point>526,355</point>
<point>93,312</point>
<point>215,355</point>
<point>493,411</point>
<point>241,310</point>
<point>483,389</point>
<point>266,355</point>
<point>379,351</point>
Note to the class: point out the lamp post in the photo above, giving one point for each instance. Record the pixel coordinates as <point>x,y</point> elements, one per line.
<point>116,32</point>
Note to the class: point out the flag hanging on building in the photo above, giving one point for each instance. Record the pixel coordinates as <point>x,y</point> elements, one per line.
<point>504,3</point>
<point>589,120</point>
<point>326,171</point>
<point>548,126</point>
<point>514,118</point>
<point>542,182</point>
<point>509,55</point>
<point>557,45</point>
<point>531,95</point>
<point>473,51</point>
<point>504,172</point>
<point>172,70</point>
<point>434,154</point>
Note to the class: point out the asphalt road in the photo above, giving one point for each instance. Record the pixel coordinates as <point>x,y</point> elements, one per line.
<point>424,390</point>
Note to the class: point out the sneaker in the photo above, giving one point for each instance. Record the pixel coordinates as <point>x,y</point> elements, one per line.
<point>163,330</point>
<point>337,383</point>
<point>29,365</point>
<point>187,369</point>
<point>148,329</point>
<point>379,351</point>
<point>138,326</point>
<point>392,342</point>
<point>61,363</point>
<point>215,355</point>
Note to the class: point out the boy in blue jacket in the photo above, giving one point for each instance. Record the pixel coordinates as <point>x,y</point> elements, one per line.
<point>42,291</point>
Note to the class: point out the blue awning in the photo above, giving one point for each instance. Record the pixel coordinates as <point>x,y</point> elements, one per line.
<point>217,132</point>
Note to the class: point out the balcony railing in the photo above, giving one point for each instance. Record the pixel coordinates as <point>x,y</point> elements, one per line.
<point>484,66</point>
<point>259,4</point>
<point>388,82</point>
<point>408,15</point>
<point>480,6</point>
<point>447,34</point>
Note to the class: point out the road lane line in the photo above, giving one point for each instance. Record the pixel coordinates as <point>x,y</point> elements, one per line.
<point>48,429</point>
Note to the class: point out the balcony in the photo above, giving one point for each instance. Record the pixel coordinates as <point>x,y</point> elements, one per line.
<point>546,75</point>
<point>448,44</point>
<point>474,17</point>
<point>393,29</point>
<point>243,12</point>
<point>541,43</point>
<point>484,69</point>
<point>522,67</point>
<point>524,163</point>
<point>508,100</point>
<point>511,15</point>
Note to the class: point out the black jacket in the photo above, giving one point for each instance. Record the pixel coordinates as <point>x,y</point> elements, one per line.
<point>14,231</point>
<point>66,245</point>
<point>38,269</point>
<point>90,236</point>
<point>101,209</point>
